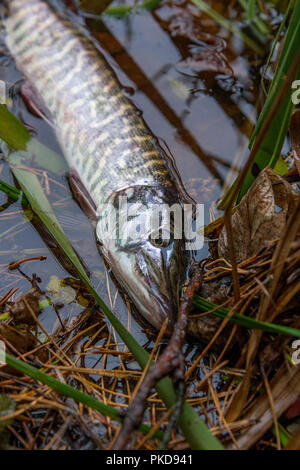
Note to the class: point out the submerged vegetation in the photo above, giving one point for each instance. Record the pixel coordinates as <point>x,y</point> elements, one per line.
<point>241,385</point>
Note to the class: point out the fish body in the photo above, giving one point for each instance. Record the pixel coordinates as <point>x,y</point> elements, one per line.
<point>106,141</point>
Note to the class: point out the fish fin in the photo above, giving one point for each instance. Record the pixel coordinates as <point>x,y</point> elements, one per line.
<point>82,196</point>
<point>34,102</point>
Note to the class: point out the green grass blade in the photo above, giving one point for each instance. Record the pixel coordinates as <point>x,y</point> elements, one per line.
<point>287,56</point>
<point>262,29</point>
<point>251,9</point>
<point>284,435</point>
<point>69,391</point>
<point>10,191</point>
<point>275,42</point>
<point>271,146</point>
<point>242,320</point>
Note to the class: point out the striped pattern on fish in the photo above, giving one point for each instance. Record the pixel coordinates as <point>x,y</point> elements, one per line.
<point>102,133</point>
<point>105,139</point>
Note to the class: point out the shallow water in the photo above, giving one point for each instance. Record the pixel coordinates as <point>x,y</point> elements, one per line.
<point>197,86</point>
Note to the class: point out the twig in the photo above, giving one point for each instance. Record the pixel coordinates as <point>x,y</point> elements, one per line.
<point>34,258</point>
<point>235,276</point>
<point>272,406</point>
<point>7,296</point>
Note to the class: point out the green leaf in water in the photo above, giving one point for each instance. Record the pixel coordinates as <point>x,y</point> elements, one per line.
<point>12,131</point>
<point>59,292</point>
<point>25,147</point>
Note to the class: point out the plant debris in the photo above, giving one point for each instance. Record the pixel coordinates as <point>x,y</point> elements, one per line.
<point>21,309</point>
<point>260,217</point>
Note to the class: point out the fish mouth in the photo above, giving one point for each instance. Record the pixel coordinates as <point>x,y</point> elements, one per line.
<point>162,297</point>
<point>165,311</point>
<point>153,287</point>
<point>155,307</point>
<point>156,313</point>
<point>151,304</point>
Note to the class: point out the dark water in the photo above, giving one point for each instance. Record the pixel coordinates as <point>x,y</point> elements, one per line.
<point>197,86</point>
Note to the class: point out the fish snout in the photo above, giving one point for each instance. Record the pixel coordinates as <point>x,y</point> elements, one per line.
<point>164,289</point>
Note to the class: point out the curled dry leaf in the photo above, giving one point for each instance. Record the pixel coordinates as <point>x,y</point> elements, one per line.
<point>23,341</point>
<point>20,312</point>
<point>260,217</point>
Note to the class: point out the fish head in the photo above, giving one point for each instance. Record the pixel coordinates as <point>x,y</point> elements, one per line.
<point>146,252</point>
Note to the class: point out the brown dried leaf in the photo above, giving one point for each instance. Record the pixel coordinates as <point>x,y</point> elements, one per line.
<point>260,217</point>
<point>20,312</point>
<point>22,341</point>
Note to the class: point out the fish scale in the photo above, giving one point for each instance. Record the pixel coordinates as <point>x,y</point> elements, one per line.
<point>86,102</point>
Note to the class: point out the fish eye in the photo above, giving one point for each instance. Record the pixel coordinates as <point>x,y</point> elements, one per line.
<point>157,239</point>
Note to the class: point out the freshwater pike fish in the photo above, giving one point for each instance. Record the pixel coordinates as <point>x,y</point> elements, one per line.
<point>105,139</point>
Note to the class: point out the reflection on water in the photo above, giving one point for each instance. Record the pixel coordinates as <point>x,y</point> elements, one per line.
<point>197,86</point>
